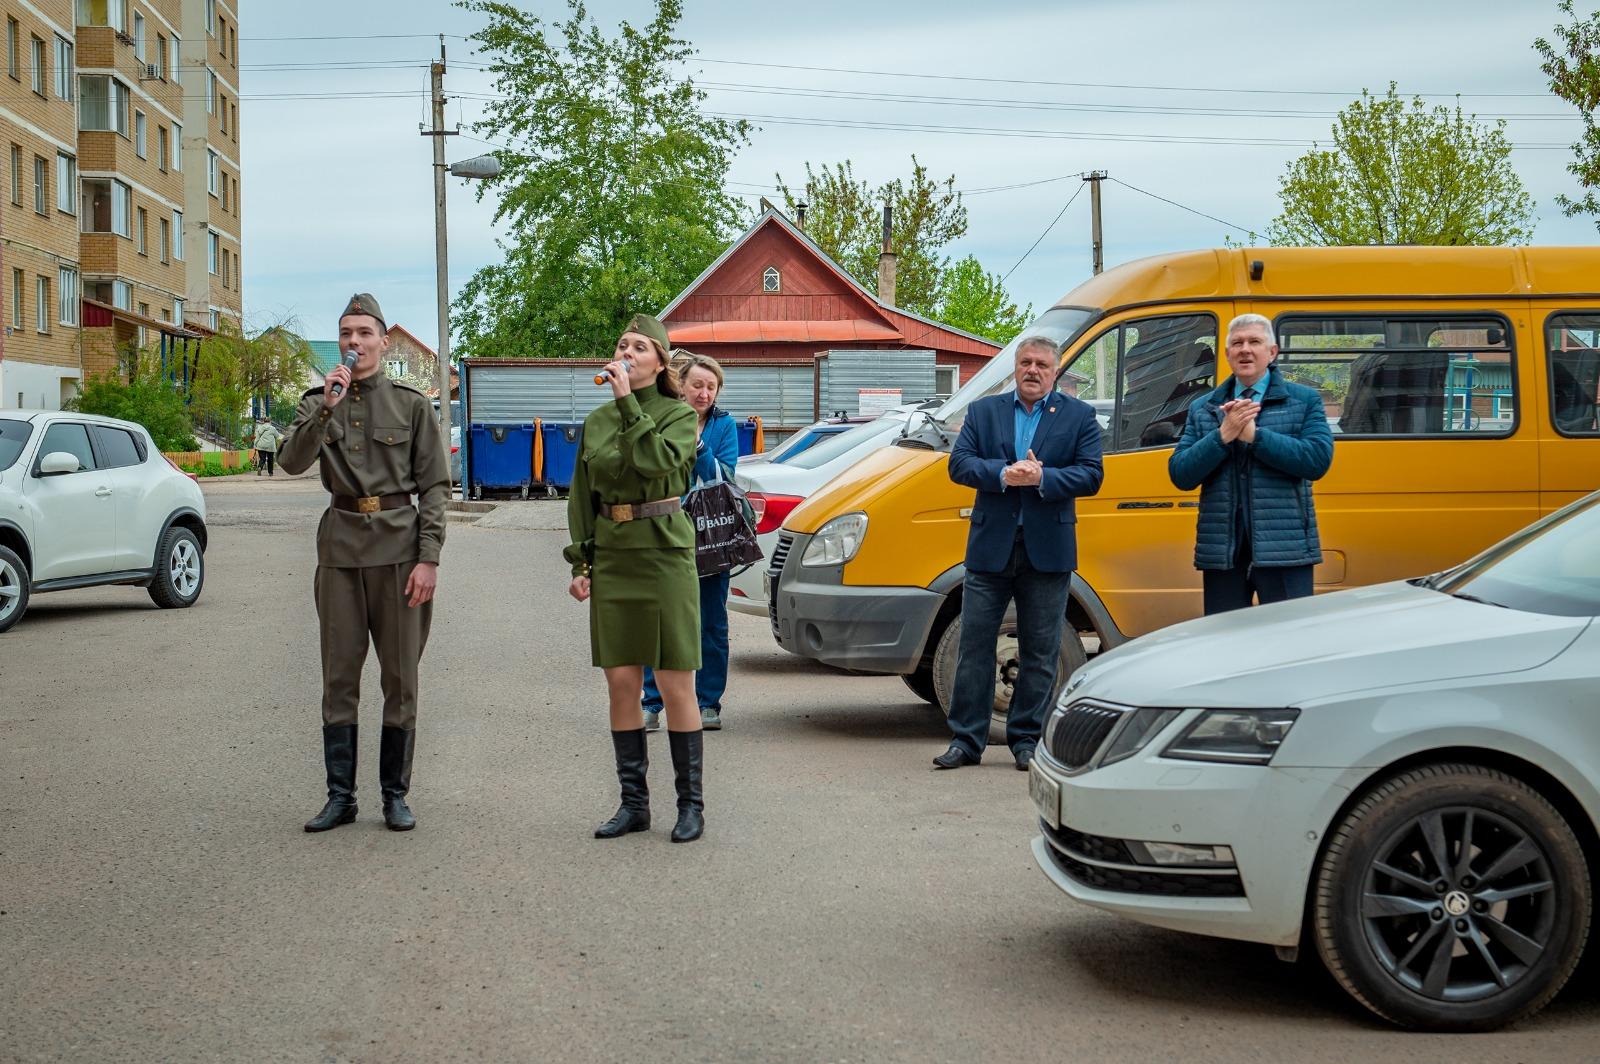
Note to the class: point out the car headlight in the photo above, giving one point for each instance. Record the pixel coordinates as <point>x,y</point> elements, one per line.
<point>1234,736</point>
<point>837,541</point>
<point>1140,727</point>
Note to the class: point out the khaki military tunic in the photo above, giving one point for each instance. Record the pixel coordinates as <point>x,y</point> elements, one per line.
<point>644,606</point>
<point>382,439</point>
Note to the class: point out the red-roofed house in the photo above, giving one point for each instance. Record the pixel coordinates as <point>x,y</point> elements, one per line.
<point>775,295</point>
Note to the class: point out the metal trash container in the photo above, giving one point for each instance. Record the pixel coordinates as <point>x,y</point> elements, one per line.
<point>751,437</point>
<point>502,458</point>
<point>560,453</point>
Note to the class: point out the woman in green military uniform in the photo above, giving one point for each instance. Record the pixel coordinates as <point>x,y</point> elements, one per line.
<point>632,558</point>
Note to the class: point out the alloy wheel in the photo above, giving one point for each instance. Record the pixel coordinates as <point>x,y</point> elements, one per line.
<point>10,590</point>
<point>184,568</point>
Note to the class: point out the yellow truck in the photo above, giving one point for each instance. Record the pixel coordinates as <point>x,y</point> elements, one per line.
<point>1460,383</point>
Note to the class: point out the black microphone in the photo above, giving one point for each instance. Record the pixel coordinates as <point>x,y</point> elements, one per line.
<point>349,363</point>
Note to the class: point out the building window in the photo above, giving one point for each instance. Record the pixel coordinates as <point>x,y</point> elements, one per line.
<point>37,47</point>
<point>18,283</point>
<point>222,36</point>
<point>141,232</point>
<point>771,279</point>
<point>105,104</point>
<point>14,48</point>
<point>164,236</point>
<point>138,37</point>
<point>211,91</point>
<point>224,271</point>
<point>16,174</point>
<point>108,206</point>
<point>216,321</point>
<point>122,295</point>
<point>66,61</point>
<point>177,311</point>
<point>163,148</point>
<point>161,56</point>
<point>211,171</point>
<point>177,238</point>
<point>66,183</point>
<point>224,97</point>
<point>177,147</point>
<point>174,56</point>
<point>140,139</point>
<point>102,13</point>
<point>395,368</point>
<point>211,16</point>
<point>67,292</point>
<point>41,185</point>
<point>213,252</point>
<point>233,47</point>
<point>41,310</point>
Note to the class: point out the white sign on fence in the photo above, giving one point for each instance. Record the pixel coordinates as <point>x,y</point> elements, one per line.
<point>877,400</point>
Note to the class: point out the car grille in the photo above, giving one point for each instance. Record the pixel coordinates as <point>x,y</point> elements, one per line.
<point>1079,733</point>
<point>780,554</point>
<point>1107,864</point>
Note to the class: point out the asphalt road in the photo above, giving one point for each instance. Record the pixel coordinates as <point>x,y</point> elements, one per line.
<point>160,902</point>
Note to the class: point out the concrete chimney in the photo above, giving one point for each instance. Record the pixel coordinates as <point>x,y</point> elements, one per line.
<point>800,213</point>
<point>886,258</point>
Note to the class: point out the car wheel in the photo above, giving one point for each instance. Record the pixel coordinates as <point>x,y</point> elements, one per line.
<point>180,570</point>
<point>1452,898</point>
<point>14,588</point>
<point>921,684</point>
<point>1069,659</point>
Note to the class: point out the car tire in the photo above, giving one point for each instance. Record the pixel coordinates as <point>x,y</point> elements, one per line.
<point>15,588</point>
<point>180,570</point>
<point>1452,897</point>
<point>1070,658</point>
<point>921,684</point>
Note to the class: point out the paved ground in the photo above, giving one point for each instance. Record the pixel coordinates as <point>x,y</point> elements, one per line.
<point>160,901</point>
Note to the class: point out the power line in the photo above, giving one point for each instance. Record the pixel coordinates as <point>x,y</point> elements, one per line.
<point>1042,235</point>
<point>1242,228</point>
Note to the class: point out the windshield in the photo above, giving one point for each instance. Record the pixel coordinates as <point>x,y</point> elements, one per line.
<point>800,441</point>
<point>1553,566</point>
<point>1060,324</point>
<point>845,442</point>
<point>13,437</point>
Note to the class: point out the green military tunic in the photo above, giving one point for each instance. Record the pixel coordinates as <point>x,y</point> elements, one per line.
<point>382,439</point>
<point>645,604</point>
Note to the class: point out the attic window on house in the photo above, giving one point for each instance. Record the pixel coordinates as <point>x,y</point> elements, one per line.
<point>770,281</point>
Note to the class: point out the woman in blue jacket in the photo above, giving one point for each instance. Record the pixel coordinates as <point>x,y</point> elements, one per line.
<point>700,380</point>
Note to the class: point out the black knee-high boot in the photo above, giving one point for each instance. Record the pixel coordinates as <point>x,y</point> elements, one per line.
<point>688,765</point>
<point>394,776</point>
<point>339,755</point>
<point>633,762</point>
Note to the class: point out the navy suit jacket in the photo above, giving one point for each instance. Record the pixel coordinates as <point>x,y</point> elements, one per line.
<point>1067,442</point>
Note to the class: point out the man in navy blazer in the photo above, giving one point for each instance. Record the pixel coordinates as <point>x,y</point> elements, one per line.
<point>1030,453</point>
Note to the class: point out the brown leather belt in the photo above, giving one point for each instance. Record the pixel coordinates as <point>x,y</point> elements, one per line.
<point>634,511</point>
<point>370,504</point>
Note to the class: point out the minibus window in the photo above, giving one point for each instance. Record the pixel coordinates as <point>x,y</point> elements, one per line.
<point>1060,324</point>
<point>1573,341</point>
<point>1404,376</point>
<point>1153,368</point>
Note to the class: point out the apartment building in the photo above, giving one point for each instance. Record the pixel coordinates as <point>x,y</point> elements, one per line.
<point>137,244</point>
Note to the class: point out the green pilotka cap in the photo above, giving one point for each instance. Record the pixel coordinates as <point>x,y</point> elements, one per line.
<point>645,325</point>
<point>364,303</point>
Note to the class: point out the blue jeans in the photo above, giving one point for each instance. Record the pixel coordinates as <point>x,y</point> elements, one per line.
<point>711,679</point>
<point>1041,615</point>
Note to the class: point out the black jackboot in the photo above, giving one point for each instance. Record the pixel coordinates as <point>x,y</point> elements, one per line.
<point>633,761</point>
<point>688,765</point>
<point>339,753</point>
<point>394,776</point>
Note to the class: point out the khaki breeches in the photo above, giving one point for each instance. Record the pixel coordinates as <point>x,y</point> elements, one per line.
<point>357,606</point>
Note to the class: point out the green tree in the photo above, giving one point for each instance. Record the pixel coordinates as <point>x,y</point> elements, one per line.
<point>974,300</point>
<point>844,215</point>
<point>147,399</point>
<point>232,368</point>
<point>611,184</point>
<point>1404,173</point>
<point>1572,64</point>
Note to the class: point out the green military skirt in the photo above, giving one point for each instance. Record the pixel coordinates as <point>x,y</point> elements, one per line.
<point>644,608</point>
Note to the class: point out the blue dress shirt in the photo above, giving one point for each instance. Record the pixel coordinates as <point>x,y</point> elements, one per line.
<point>1024,424</point>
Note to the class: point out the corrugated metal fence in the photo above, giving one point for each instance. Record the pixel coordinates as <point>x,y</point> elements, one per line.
<point>843,375</point>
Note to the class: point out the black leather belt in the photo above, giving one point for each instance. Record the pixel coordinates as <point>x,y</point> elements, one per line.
<point>634,511</point>
<point>370,504</point>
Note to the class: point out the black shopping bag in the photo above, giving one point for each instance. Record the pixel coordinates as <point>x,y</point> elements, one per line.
<point>724,527</point>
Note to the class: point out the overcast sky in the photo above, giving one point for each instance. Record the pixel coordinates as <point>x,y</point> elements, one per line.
<point>1204,104</point>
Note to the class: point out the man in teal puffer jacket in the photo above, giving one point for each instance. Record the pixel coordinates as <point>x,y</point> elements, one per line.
<point>1253,446</point>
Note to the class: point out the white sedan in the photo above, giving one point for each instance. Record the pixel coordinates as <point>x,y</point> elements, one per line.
<point>1406,776</point>
<point>88,500</point>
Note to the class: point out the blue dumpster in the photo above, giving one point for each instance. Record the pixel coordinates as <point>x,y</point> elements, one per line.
<point>750,437</point>
<point>502,458</point>
<point>560,453</point>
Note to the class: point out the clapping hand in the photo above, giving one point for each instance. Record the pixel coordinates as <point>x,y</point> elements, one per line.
<point>1239,420</point>
<point>1026,473</point>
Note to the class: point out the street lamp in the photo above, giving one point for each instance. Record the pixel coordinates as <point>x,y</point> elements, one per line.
<point>479,168</point>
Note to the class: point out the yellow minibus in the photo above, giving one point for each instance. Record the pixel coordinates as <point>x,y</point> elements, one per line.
<point>1460,383</point>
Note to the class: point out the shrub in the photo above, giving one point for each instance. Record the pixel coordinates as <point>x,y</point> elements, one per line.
<point>148,401</point>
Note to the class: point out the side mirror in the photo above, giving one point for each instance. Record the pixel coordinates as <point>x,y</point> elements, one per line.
<point>58,462</point>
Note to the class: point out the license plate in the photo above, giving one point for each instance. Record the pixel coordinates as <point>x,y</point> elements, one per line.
<point>1046,794</point>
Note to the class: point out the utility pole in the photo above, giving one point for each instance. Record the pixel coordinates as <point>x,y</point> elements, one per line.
<point>441,241</point>
<point>1094,178</point>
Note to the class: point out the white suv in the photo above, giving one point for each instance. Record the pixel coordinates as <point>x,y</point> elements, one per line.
<point>88,500</point>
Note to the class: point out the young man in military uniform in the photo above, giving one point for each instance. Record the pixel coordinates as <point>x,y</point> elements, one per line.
<point>377,553</point>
